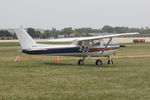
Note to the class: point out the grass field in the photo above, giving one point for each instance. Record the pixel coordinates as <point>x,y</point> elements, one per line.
<point>41,78</point>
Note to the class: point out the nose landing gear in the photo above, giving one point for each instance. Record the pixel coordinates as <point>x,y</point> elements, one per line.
<point>110,62</point>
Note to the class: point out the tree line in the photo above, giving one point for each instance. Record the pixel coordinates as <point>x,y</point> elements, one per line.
<point>78,31</point>
<point>4,34</point>
<point>86,31</point>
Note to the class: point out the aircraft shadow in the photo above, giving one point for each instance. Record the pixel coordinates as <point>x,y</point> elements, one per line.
<point>52,64</point>
<point>75,65</point>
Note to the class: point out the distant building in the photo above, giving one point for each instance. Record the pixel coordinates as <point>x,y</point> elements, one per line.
<point>97,34</point>
<point>67,35</point>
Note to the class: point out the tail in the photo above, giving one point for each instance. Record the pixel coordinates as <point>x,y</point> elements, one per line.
<point>25,39</point>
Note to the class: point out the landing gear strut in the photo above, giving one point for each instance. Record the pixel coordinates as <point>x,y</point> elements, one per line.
<point>81,61</point>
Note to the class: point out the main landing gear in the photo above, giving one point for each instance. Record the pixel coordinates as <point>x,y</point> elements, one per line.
<point>81,61</point>
<point>98,62</point>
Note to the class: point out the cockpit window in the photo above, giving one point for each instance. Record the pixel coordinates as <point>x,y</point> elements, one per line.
<point>79,43</point>
<point>97,43</point>
<point>89,43</point>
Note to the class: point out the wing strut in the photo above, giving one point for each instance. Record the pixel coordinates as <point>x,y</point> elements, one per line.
<point>110,39</point>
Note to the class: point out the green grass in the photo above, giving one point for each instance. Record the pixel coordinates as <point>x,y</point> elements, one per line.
<point>9,44</point>
<point>41,78</point>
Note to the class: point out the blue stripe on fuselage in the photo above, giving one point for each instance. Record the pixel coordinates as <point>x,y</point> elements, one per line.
<point>53,51</point>
<point>112,44</point>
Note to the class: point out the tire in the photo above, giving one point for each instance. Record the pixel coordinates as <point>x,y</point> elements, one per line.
<point>110,62</point>
<point>98,62</point>
<point>80,62</point>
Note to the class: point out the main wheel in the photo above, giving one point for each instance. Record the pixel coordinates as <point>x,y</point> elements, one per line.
<point>98,62</point>
<point>110,62</point>
<point>80,62</point>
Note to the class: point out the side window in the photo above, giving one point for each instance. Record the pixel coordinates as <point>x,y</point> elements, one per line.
<point>90,43</point>
<point>79,43</point>
<point>97,42</point>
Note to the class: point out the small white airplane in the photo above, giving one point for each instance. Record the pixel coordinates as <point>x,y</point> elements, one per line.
<point>81,46</point>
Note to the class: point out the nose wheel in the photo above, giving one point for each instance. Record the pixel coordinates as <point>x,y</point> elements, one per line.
<point>110,62</point>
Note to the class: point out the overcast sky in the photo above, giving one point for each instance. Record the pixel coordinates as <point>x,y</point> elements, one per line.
<point>74,13</point>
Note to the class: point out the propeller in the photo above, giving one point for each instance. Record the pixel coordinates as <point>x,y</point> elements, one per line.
<point>121,45</point>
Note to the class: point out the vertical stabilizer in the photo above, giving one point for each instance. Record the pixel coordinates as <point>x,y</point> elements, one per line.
<point>25,39</point>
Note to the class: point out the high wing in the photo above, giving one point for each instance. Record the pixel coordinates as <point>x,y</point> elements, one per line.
<point>90,38</point>
<point>105,36</point>
<point>64,39</point>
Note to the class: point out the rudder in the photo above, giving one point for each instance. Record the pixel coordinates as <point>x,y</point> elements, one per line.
<point>25,39</point>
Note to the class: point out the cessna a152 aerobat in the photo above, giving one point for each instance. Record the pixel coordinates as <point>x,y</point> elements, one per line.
<point>81,46</point>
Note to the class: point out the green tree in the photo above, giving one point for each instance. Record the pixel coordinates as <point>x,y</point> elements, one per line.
<point>108,29</point>
<point>68,31</point>
<point>33,33</point>
<point>5,33</point>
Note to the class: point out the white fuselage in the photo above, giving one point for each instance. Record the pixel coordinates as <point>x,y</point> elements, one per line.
<point>74,50</point>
